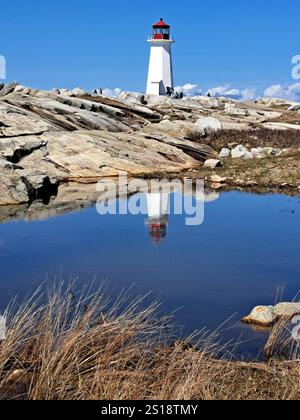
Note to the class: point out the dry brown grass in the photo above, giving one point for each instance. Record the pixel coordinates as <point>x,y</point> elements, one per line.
<point>78,349</point>
<point>261,137</point>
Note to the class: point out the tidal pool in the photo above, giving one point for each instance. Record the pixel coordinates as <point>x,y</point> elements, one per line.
<point>244,254</point>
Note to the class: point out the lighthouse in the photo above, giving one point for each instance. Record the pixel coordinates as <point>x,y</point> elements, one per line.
<point>160,75</point>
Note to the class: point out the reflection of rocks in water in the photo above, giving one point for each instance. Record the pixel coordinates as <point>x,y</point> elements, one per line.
<point>210,196</point>
<point>70,198</point>
<point>75,197</point>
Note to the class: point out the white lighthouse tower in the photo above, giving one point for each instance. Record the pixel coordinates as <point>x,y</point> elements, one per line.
<point>160,75</point>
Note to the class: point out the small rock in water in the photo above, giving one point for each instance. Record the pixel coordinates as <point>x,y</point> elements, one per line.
<point>266,316</point>
<point>213,163</point>
<point>263,316</point>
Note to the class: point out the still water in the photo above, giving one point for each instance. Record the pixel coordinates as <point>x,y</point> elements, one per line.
<point>246,250</point>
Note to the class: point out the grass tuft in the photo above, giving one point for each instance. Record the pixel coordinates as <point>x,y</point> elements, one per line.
<point>86,348</point>
<point>261,137</point>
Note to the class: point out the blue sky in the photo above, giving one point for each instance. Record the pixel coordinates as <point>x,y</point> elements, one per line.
<point>94,43</point>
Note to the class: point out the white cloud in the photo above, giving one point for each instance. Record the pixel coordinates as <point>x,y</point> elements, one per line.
<point>274,91</point>
<point>290,92</point>
<point>249,94</point>
<point>227,91</point>
<point>219,91</point>
<point>113,93</point>
<point>189,89</point>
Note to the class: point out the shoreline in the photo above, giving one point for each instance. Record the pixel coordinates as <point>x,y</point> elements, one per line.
<point>72,347</point>
<point>74,197</point>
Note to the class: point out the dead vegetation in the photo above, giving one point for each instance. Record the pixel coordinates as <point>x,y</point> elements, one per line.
<point>261,137</point>
<point>78,349</point>
<point>272,174</point>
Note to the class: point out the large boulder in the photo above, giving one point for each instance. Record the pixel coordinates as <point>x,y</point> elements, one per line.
<point>209,125</point>
<point>13,189</point>
<point>235,111</point>
<point>263,316</point>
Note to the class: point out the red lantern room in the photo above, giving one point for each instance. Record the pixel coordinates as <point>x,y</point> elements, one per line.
<point>161,30</point>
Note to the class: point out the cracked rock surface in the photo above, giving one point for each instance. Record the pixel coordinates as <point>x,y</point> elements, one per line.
<point>48,139</point>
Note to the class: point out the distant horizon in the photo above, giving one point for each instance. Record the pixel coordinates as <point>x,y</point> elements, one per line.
<point>238,50</point>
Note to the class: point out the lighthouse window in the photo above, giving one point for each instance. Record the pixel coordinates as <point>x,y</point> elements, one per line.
<point>160,31</point>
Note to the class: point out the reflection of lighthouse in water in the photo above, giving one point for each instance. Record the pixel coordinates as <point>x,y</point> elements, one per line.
<point>158,212</point>
<point>159,209</point>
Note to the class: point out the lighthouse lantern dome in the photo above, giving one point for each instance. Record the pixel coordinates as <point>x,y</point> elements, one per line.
<point>160,74</point>
<point>161,30</point>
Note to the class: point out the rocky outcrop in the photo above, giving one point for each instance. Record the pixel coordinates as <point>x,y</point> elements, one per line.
<point>12,187</point>
<point>6,89</point>
<point>266,316</point>
<point>48,139</point>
